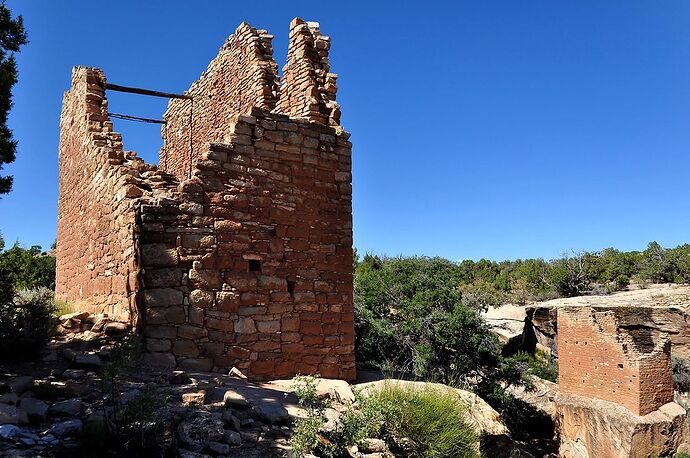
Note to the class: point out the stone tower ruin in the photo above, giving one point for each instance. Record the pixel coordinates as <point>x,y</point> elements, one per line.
<point>236,250</point>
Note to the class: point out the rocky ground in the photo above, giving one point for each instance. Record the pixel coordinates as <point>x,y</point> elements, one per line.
<point>56,407</point>
<point>48,407</point>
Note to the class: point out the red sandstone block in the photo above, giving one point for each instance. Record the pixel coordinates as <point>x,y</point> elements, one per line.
<point>312,339</point>
<point>347,339</point>
<point>310,328</point>
<point>305,368</point>
<point>262,367</point>
<point>221,325</point>
<point>292,348</point>
<point>284,368</point>
<point>239,352</point>
<point>330,329</point>
<point>329,370</point>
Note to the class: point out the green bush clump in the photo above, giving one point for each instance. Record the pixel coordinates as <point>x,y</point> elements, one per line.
<point>26,324</point>
<point>433,419</point>
<point>410,317</point>
<point>413,421</point>
<point>681,374</point>
<point>541,364</point>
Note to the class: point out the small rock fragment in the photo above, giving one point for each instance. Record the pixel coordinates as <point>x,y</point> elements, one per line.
<point>194,399</point>
<point>9,431</point>
<point>35,409</point>
<point>67,428</point>
<point>70,407</point>
<point>234,399</point>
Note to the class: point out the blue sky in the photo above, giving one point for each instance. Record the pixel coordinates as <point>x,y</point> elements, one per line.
<point>496,129</point>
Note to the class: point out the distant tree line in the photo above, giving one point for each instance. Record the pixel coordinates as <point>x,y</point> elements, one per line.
<point>24,268</point>
<point>492,283</point>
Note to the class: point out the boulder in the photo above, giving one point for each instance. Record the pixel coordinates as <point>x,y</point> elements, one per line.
<point>336,390</point>
<point>219,448</point>
<point>270,412</point>
<point>115,328</point>
<point>193,399</point>
<point>179,378</point>
<point>67,428</point>
<point>79,316</point>
<point>12,415</point>
<point>19,385</point>
<point>35,409</point>
<point>9,398</point>
<point>9,431</point>
<point>87,361</point>
<point>74,374</point>
<point>233,438</point>
<point>70,407</point>
<point>234,399</point>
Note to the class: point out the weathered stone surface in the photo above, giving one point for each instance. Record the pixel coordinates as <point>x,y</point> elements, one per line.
<point>69,407</point>
<point>194,399</point>
<point>12,415</point>
<point>21,384</point>
<point>592,428</point>
<point>270,412</point>
<point>87,361</point>
<point>35,409</point>
<point>67,428</point>
<point>232,398</point>
<point>198,430</point>
<point>162,297</point>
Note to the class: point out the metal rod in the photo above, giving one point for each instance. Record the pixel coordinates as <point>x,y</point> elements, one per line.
<point>136,90</point>
<point>136,118</point>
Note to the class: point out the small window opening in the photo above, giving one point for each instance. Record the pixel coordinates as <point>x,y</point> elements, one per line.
<point>291,287</point>
<point>254,265</point>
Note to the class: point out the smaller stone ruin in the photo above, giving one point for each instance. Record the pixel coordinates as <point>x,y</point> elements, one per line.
<point>616,395</point>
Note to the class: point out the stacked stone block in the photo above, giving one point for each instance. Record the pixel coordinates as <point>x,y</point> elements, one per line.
<point>308,89</point>
<point>246,259</point>
<point>600,357</point>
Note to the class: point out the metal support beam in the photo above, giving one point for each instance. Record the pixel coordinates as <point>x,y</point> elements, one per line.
<point>136,118</point>
<point>136,90</point>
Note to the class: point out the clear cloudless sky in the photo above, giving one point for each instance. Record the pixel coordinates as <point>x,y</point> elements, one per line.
<point>496,129</point>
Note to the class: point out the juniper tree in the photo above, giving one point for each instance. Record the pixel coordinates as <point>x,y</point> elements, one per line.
<point>12,36</point>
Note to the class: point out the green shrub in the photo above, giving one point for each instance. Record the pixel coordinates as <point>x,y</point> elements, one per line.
<point>541,364</point>
<point>681,374</point>
<point>433,419</point>
<point>621,282</point>
<point>26,324</point>
<point>430,420</point>
<point>410,315</point>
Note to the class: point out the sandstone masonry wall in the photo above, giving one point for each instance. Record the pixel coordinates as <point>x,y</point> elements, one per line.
<point>238,256</point>
<point>598,358</point>
<point>243,75</point>
<point>250,264</point>
<point>96,259</point>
